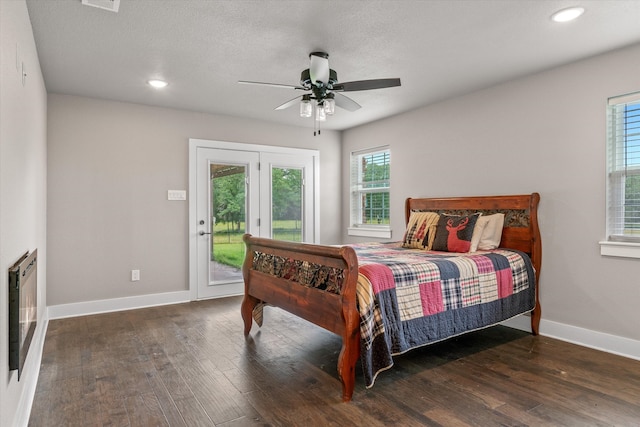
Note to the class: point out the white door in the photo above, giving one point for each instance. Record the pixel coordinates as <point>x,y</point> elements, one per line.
<point>265,193</point>
<point>227,206</point>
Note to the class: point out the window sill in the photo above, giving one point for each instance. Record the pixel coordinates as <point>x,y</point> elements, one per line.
<point>620,249</point>
<point>378,233</point>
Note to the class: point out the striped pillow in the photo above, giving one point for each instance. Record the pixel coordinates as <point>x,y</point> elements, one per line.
<point>421,230</point>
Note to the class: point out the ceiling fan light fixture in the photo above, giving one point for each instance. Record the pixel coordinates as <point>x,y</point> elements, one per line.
<point>319,68</point>
<point>568,14</point>
<point>306,109</point>
<point>321,115</point>
<point>329,105</point>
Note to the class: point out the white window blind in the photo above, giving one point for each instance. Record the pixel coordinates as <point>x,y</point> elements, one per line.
<point>623,168</point>
<point>370,184</point>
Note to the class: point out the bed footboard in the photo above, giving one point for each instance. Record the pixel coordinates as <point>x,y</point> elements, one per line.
<point>315,282</point>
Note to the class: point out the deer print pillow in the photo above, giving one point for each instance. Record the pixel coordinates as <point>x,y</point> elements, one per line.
<point>454,232</point>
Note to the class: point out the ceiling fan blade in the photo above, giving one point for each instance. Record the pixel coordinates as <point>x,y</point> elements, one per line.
<point>289,103</point>
<point>365,85</point>
<point>319,67</point>
<point>244,82</point>
<point>346,102</point>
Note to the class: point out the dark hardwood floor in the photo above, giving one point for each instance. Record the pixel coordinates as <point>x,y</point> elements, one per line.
<point>190,365</point>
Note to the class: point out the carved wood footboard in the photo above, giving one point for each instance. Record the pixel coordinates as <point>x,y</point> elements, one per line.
<point>314,282</point>
<point>318,283</point>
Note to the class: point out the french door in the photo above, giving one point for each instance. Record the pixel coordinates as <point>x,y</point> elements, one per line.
<point>241,188</point>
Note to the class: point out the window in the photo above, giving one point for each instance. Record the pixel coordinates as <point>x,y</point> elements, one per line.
<point>370,182</point>
<point>623,171</point>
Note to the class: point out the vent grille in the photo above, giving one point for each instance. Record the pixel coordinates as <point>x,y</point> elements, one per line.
<point>111,5</point>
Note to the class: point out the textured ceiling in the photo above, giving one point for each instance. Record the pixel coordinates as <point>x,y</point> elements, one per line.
<point>439,49</point>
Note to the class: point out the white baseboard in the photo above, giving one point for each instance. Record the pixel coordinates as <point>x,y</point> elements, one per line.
<point>32,367</point>
<point>585,337</point>
<point>117,304</point>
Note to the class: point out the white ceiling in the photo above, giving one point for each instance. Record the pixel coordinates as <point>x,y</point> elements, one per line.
<point>439,49</point>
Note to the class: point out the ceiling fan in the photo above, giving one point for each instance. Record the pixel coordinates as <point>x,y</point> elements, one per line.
<point>322,84</point>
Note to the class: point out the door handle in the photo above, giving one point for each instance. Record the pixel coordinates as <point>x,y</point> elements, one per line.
<point>202,233</point>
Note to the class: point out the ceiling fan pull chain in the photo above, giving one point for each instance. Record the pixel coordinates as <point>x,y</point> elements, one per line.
<point>316,125</point>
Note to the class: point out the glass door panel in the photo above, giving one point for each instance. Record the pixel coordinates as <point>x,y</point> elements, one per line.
<point>286,204</point>
<point>228,221</point>
<point>287,197</point>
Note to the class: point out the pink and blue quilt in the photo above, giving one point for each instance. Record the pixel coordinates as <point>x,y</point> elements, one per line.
<point>409,298</point>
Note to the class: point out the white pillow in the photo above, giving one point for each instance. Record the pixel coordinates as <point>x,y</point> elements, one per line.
<point>481,223</point>
<point>488,232</point>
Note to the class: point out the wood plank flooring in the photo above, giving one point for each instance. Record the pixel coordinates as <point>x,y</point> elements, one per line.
<point>190,365</point>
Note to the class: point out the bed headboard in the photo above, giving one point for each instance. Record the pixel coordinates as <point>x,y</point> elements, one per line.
<point>520,231</point>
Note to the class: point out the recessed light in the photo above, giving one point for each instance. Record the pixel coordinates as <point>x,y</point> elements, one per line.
<point>568,14</point>
<point>158,84</point>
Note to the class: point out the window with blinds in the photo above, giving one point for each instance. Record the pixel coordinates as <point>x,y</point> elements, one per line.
<point>370,183</point>
<point>623,168</point>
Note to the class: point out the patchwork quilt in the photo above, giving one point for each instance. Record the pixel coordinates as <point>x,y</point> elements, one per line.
<point>409,298</point>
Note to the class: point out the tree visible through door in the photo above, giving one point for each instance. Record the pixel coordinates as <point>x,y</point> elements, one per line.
<point>228,196</point>
<point>286,204</point>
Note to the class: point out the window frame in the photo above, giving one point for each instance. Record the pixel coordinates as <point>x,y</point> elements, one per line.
<point>618,243</point>
<point>356,190</point>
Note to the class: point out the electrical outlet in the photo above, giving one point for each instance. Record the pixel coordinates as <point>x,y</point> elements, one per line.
<point>135,275</point>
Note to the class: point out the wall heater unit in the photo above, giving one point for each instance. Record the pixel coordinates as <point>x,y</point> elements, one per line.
<point>23,308</point>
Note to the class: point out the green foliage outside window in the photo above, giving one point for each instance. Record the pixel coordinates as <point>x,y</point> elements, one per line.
<point>375,170</point>
<point>229,201</point>
<point>632,205</point>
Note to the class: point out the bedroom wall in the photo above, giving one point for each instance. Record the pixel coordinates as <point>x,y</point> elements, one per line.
<point>110,166</point>
<point>23,171</point>
<point>543,133</point>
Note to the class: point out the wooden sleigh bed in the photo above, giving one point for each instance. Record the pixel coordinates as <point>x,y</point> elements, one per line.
<point>323,284</point>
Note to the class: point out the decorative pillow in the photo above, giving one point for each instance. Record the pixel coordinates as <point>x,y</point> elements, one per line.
<point>420,230</point>
<point>454,232</point>
<point>491,232</point>
<point>477,233</point>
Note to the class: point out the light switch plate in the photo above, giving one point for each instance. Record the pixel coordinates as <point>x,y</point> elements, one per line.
<point>176,195</point>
